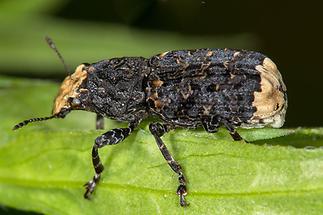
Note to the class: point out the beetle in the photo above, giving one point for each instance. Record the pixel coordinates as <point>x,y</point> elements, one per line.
<point>205,88</point>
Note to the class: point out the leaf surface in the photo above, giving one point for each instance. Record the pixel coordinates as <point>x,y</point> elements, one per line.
<point>43,166</point>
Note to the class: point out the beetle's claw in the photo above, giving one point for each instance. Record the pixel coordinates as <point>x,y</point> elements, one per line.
<point>89,186</point>
<point>181,192</point>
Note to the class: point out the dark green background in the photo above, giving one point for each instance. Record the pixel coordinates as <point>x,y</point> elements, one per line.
<point>289,32</point>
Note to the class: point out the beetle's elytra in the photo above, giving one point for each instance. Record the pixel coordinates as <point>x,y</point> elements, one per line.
<point>188,89</point>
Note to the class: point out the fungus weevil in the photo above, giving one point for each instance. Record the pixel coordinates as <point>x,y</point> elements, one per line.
<point>186,89</point>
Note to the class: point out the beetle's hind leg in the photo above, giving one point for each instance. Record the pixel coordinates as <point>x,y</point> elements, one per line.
<point>233,132</point>
<point>157,131</point>
<point>111,137</point>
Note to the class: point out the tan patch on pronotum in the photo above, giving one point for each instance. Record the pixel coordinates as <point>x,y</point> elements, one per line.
<point>270,101</point>
<point>69,88</point>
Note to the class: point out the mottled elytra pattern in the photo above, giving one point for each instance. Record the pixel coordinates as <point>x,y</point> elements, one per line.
<point>204,86</point>
<point>188,88</point>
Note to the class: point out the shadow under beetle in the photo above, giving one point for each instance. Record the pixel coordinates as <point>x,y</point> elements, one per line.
<point>186,89</point>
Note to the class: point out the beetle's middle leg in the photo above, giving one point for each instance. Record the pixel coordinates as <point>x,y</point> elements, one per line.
<point>157,131</point>
<point>111,137</point>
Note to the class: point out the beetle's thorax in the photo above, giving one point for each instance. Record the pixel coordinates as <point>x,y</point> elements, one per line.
<point>114,88</point>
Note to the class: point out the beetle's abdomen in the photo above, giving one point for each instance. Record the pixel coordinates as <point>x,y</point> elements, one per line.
<point>186,86</point>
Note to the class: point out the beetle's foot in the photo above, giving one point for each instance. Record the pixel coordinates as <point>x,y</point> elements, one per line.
<point>90,186</point>
<point>181,192</point>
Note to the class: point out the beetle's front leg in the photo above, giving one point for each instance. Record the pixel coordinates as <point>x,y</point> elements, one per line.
<point>157,131</point>
<point>99,122</point>
<point>111,137</point>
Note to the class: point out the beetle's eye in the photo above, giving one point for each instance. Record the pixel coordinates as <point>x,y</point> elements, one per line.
<point>75,102</point>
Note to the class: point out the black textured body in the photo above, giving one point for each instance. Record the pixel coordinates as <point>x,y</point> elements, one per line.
<point>185,88</point>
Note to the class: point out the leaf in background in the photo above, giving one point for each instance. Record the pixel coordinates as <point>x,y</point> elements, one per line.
<point>83,41</point>
<point>43,167</point>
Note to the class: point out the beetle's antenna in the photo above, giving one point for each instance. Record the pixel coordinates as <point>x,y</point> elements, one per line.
<point>52,45</point>
<point>27,121</point>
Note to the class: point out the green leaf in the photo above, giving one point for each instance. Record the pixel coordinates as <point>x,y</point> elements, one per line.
<point>43,166</point>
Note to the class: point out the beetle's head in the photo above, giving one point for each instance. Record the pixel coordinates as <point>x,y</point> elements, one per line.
<point>67,98</point>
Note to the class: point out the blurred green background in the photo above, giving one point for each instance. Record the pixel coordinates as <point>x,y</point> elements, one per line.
<point>289,32</point>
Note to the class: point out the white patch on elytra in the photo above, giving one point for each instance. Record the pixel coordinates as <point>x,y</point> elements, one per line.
<point>271,102</point>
